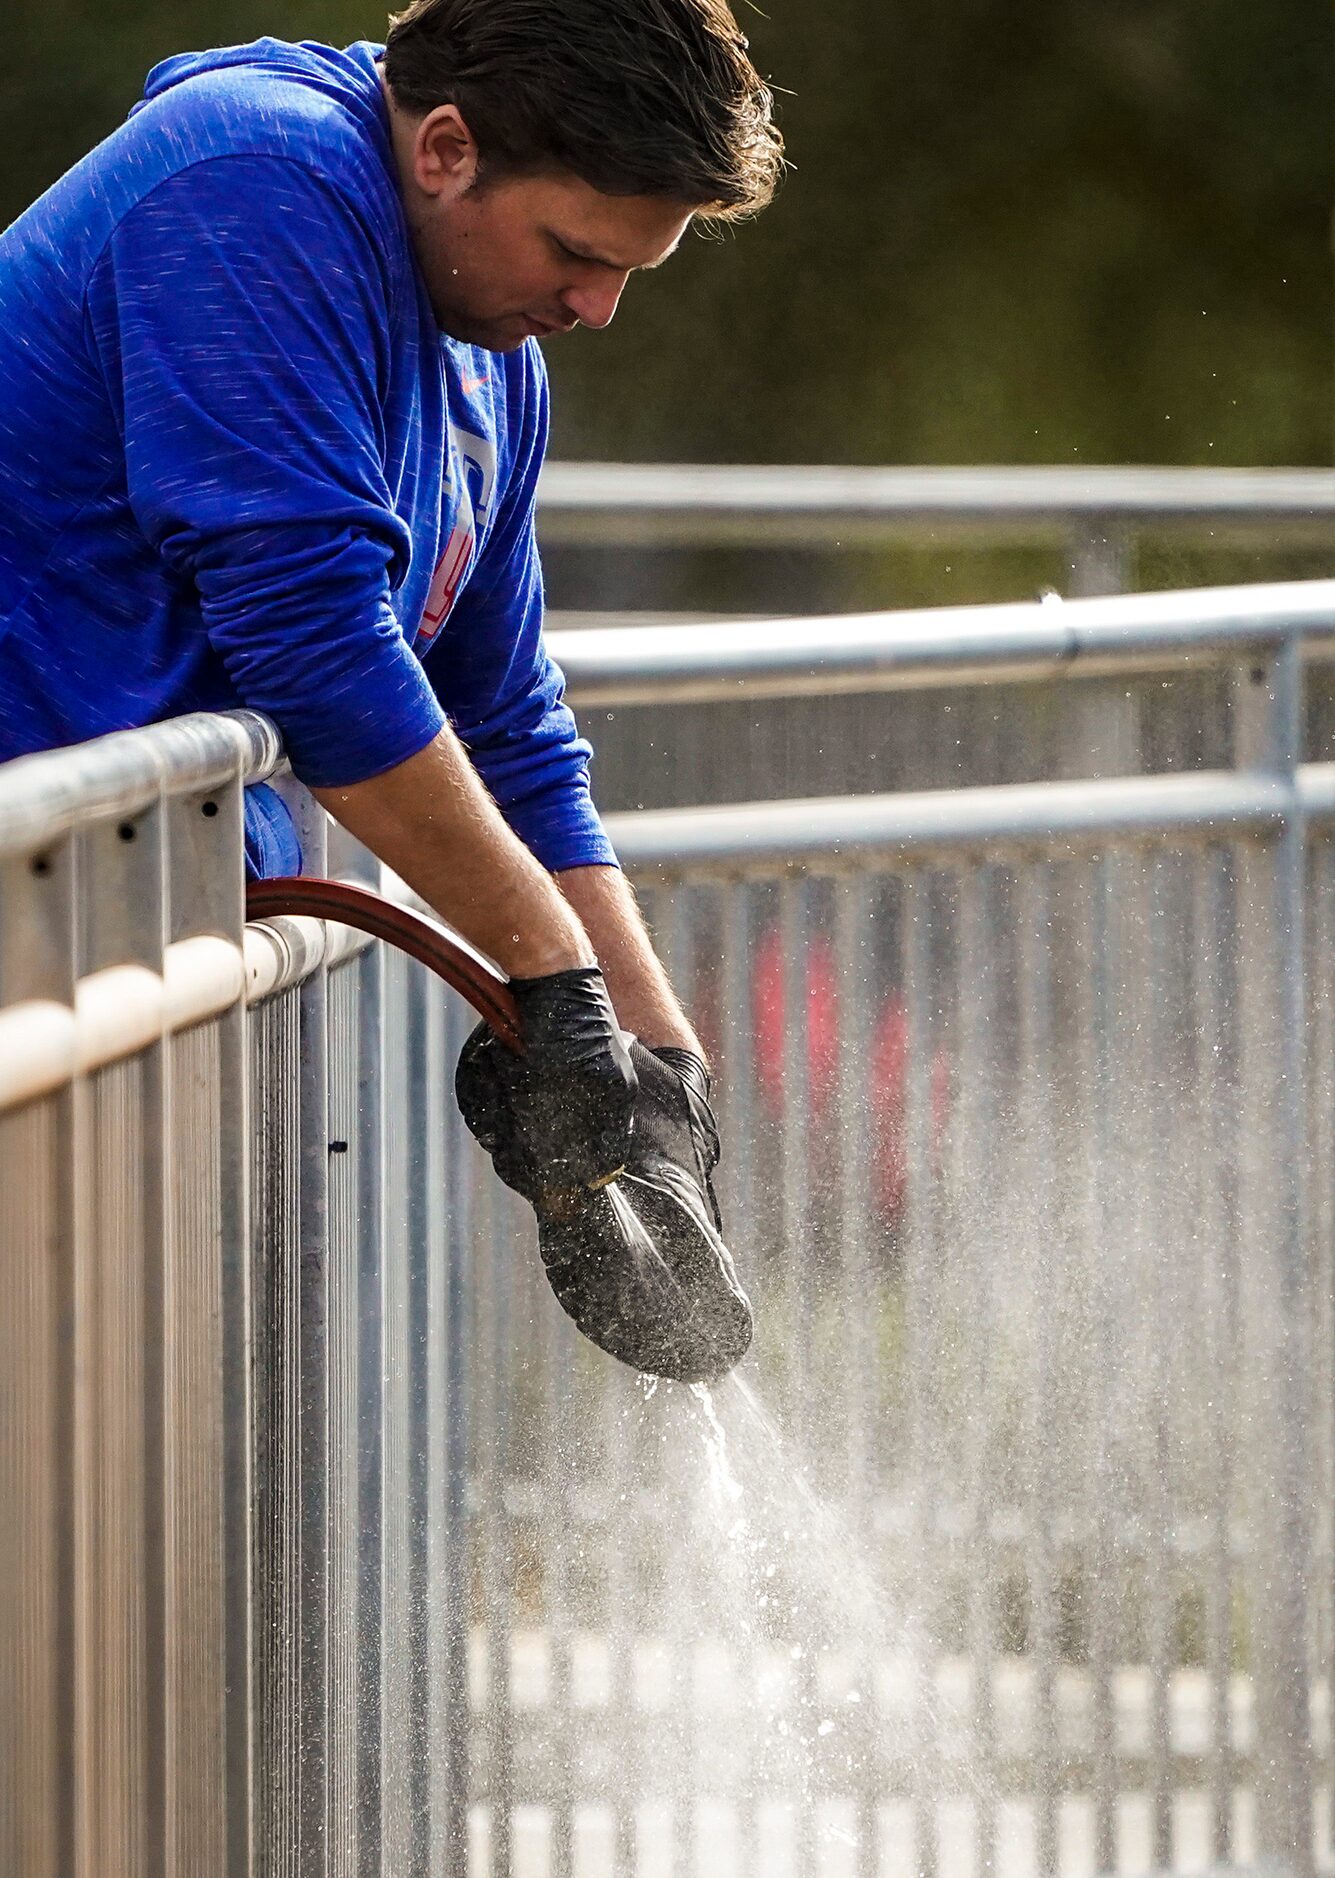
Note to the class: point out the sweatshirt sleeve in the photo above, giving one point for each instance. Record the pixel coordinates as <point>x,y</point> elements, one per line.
<point>504,695</point>
<point>241,314</point>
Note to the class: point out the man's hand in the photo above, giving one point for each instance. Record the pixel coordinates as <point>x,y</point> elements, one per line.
<point>646,1273</point>
<point>645,1002</point>
<point>673,1117</point>
<point>557,1120</point>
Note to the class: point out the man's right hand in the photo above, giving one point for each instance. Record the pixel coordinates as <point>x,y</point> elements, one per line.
<point>556,1121</point>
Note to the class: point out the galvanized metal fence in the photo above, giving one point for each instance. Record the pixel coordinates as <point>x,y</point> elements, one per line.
<point>331,1549</point>
<point>232,1384</point>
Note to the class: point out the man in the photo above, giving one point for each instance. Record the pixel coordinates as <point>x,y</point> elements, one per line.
<point>271,413</point>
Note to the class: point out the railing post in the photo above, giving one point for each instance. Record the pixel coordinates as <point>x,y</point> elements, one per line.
<point>357,1219</point>
<point>206,1399</point>
<point>1101,556</point>
<point>120,1186</point>
<point>292,1430</point>
<point>37,1569</point>
<point>451,1728</point>
<point>314,1385</point>
<point>1274,1418</point>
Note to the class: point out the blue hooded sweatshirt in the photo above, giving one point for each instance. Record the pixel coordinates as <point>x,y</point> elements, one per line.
<point>240,464</point>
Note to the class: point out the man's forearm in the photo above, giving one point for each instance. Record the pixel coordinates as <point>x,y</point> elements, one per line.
<point>433,822</point>
<point>643,998</point>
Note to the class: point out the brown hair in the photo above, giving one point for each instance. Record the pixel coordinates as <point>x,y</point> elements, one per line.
<point>635,97</point>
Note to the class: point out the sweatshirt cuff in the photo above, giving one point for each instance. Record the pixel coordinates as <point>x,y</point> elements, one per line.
<point>564,834</point>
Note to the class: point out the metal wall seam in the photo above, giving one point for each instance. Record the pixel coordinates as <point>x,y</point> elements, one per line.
<point>1216,1149</point>
<point>915,954</point>
<point>346,1513</point>
<point>368,1145</point>
<point>199,1420</point>
<point>461,1158</point>
<point>38,1559</point>
<point>1321,1164</point>
<point>1158,1109</point>
<point>617,1431</point>
<point>1097,1021</point>
<point>117,1472</point>
<point>314,1382</point>
<point>674,928</point>
<point>439,1583</point>
<point>121,1178</point>
<point>393,1368</point>
<point>416,1358</point>
<point>274,1463</point>
<point>854,1240</point>
<point>1272,880</point>
<point>1043,1150</point>
<point>555,1767</point>
<point>496,1573</point>
<point>975,1167</point>
<point>37,1789</point>
<point>240,1391</point>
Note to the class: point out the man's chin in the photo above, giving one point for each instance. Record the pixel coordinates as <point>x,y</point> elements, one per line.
<point>502,335</point>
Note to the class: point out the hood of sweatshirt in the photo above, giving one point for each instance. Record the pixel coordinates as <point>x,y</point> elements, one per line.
<point>349,76</point>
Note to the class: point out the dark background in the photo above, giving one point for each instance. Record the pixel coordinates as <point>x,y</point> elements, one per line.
<point>1049,232</point>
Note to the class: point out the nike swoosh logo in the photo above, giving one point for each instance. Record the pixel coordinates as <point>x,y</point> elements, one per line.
<point>469,385</point>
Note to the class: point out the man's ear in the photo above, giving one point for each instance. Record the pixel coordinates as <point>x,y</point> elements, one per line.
<point>445,158</point>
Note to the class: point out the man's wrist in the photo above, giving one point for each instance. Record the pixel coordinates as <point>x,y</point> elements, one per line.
<point>549,951</point>
<point>645,1002</point>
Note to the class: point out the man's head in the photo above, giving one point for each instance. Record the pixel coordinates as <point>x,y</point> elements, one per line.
<point>548,148</point>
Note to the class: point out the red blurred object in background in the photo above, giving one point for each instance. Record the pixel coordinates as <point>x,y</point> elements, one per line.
<point>884,1061</point>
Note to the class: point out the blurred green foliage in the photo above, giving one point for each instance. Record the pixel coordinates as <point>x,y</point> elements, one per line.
<point>1062,231</point>
<point>1058,232</point>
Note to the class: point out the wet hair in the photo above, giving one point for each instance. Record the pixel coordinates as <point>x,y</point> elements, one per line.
<point>634,97</point>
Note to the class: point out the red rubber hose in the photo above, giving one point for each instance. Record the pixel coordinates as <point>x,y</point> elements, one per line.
<point>398,926</point>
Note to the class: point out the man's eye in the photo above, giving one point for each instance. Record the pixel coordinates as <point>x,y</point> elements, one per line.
<point>581,260</point>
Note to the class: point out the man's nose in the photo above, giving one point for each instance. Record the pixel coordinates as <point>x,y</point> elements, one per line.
<point>595,303</point>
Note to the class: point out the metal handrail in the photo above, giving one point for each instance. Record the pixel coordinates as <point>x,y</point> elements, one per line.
<point>43,797</point>
<point>679,504</point>
<point>944,645</point>
<point>46,796</point>
<point>857,831</point>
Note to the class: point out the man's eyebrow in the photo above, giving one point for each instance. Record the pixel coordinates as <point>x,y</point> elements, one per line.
<point>581,253</point>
